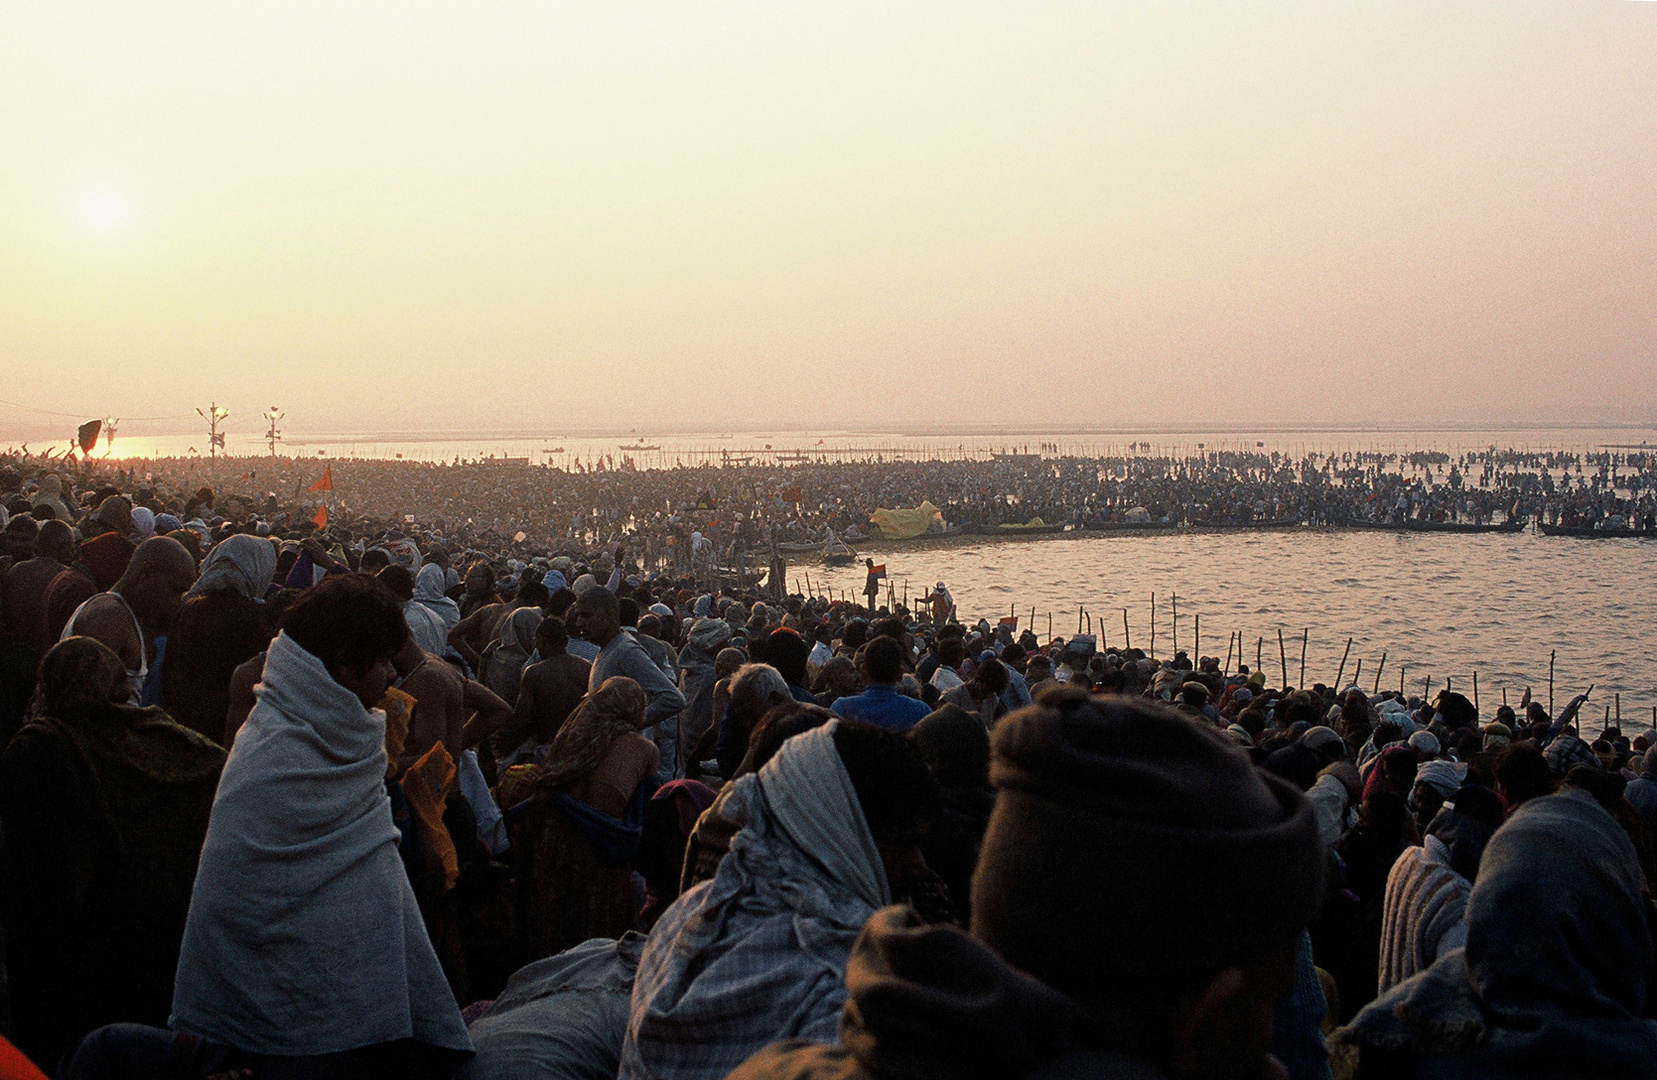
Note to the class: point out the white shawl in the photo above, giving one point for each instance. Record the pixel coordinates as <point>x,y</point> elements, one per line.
<point>303,935</point>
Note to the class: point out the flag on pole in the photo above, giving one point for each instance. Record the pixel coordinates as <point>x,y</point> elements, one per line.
<point>327,481</point>
<point>87,435</point>
<point>321,518</point>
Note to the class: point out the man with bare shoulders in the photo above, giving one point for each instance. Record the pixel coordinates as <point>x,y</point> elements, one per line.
<point>473,634</point>
<point>443,700</point>
<point>550,691</point>
<point>139,608</point>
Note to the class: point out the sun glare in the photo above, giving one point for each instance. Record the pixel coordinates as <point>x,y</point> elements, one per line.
<point>103,211</point>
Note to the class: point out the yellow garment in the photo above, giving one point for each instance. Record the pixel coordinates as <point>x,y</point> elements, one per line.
<point>902,524</point>
<point>399,711</point>
<point>517,784</point>
<point>1033,523</point>
<point>426,786</point>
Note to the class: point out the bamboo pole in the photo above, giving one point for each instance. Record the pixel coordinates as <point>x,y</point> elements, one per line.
<point>1357,676</point>
<point>1153,626</point>
<point>1475,691</point>
<point>1551,654</point>
<point>1176,623</point>
<point>1196,632</point>
<point>1229,642</point>
<point>1305,635</point>
<point>1282,660</point>
<point>1049,626</point>
<point>1342,670</point>
<point>1259,645</point>
<point>1127,638</point>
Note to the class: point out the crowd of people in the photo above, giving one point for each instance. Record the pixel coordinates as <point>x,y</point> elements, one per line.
<point>739,510</point>
<point>379,795</point>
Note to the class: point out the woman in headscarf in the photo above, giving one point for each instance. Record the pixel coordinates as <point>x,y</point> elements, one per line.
<point>703,643</point>
<point>221,626</point>
<point>430,589</point>
<point>506,656</point>
<point>104,807</point>
<point>577,837</point>
<point>50,495</point>
<point>827,833</point>
<point>1555,978</point>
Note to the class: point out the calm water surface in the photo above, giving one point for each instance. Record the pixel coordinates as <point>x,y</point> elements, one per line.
<point>1440,606</point>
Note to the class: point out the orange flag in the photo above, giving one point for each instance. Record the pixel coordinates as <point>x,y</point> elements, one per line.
<point>327,481</point>
<point>321,518</point>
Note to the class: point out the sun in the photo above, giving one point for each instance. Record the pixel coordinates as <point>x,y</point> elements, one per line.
<point>103,211</point>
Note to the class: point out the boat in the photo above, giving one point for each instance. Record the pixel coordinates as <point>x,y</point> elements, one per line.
<point>639,446</point>
<point>1591,533</point>
<point>839,558</point>
<point>1517,525</point>
<point>1102,527</point>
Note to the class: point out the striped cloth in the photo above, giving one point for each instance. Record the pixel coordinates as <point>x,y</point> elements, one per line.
<point>759,953</point>
<point>1424,913</point>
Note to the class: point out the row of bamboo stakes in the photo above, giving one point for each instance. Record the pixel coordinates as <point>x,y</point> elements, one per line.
<point>1235,645</point>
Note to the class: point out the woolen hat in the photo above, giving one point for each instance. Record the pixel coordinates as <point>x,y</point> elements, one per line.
<point>1130,844</point>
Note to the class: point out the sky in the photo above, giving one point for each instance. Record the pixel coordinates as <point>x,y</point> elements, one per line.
<point>411,216</point>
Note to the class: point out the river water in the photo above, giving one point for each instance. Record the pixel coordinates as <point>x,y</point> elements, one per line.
<point>1441,606</point>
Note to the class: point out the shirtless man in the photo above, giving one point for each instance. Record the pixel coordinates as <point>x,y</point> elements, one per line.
<point>140,607</point>
<point>473,634</point>
<point>448,707</point>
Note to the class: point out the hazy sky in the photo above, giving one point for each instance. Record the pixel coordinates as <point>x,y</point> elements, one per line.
<point>414,216</point>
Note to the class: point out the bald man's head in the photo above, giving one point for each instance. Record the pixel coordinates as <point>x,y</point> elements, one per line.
<point>160,573</point>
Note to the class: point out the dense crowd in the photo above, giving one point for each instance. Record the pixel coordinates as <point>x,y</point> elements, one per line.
<point>742,509</point>
<point>394,794</point>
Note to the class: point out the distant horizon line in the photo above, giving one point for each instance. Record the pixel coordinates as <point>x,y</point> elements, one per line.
<point>335,436</point>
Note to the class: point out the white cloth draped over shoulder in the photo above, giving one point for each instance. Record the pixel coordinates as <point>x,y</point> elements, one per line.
<point>303,936</point>
<point>759,953</point>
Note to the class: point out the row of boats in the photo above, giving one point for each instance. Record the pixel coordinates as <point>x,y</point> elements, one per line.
<point>1517,525</point>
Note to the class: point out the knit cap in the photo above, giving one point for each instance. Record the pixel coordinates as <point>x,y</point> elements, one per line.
<point>1130,841</point>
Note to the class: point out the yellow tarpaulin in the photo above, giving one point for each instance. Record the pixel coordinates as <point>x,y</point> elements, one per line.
<point>1033,523</point>
<point>901,524</point>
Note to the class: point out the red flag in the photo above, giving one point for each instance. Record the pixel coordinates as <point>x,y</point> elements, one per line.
<point>327,481</point>
<point>321,518</point>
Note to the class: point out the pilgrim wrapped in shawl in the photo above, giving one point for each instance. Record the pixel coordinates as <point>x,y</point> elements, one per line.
<point>221,625</point>
<point>104,807</point>
<point>1554,978</point>
<point>304,937</point>
<point>759,953</point>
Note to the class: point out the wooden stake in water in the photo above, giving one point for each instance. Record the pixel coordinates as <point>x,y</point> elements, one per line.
<point>1153,626</point>
<point>1196,631</point>
<point>1176,622</point>
<point>1551,654</point>
<point>1475,691</point>
<point>1283,659</point>
<point>1342,670</point>
<point>1357,676</point>
<point>1229,642</point>
<point>1305,634</point>
<point>1259,647</point>
<point>1401,669</point>
<point>1380,669</point>
<point>1127,638</point>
